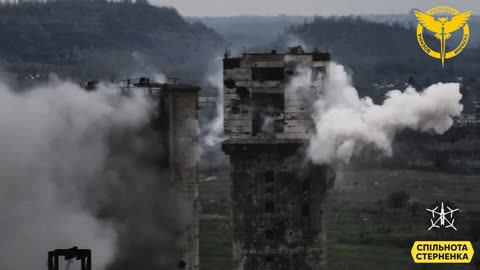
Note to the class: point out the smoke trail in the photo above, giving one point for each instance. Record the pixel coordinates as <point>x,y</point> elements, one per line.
<point>214,135</point>
<point>347,125</point>
<point>54,148</point>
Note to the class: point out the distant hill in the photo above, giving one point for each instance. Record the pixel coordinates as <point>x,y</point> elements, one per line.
<point>250,32</point>
<point>411,21</point>
<point>379,53</point>
<point>99,39</point>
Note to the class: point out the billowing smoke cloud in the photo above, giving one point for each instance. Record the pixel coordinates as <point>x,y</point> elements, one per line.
<point>214,134</point>
<point>347,125</point>
<point>294,41</point>
<point>61,185</point>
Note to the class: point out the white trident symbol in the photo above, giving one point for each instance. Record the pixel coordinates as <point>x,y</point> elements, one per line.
<point>442,217</point>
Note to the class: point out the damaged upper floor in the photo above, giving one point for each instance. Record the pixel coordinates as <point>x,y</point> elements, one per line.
<point>259,99</point>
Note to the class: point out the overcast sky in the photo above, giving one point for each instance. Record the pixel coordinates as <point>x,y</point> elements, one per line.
<point>308,7</point>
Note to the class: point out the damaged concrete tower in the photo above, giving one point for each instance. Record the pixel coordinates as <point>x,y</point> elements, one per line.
<point>177,120</point>
<point>277,195</point>
<point>183,136</point>
<point>172,138</point>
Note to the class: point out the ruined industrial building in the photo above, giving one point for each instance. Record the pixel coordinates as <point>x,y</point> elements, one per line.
<point>277,196</point>
<point>178,121</point>
<point>173,149</point>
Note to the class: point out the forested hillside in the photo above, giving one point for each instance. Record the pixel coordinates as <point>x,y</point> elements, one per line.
<point>249,32</point>
<point>384,54</point>
<point>97,39</point>
<point>104,40</point>
<point>411,21</point>
<point>381,51</point>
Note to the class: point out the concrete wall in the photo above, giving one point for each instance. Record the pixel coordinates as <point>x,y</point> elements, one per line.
<point>277,199</point>
<point>183,134</point>
<point>240,91</point>
<point>172,150</point>
<point>277,210</point>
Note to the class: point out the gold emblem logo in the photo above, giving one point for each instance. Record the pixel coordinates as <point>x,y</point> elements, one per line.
<point>443,25</point>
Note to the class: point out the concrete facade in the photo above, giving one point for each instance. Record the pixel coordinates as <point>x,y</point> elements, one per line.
<point>277,209</point>
<point>175,151</point>
<point>183,104</point>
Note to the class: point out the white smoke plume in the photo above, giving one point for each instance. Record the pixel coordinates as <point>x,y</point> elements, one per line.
<point>214,135</point>
<point>268,124</point>
<point>347,125</point>
<point>293,41</point>
<point>53,145</point>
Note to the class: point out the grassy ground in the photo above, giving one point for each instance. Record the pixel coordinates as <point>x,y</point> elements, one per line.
<point>215,233</point>
<point>364,231</point>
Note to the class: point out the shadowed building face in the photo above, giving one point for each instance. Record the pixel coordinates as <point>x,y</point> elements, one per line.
<point>277,197</point>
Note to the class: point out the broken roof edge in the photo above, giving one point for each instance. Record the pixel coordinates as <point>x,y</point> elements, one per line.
<point>256,141</point>
<point>252,146</point>
<point>296,50</point>
<point>182,87</point>
<point>124,84</point>
<point>147,83</point>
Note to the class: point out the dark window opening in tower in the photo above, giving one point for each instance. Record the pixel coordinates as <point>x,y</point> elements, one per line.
<point>269,207</point>
<point>269,177</point>
<point>305,210</point>
<point>268,113</point>
<point>306,185</point>
<point>229,83</point>
<point>243,93</point>
<point>182,264</point>
<point>269,234</point>
<point>321,57</point>
<point>268,74</point>
<point>231,63</point>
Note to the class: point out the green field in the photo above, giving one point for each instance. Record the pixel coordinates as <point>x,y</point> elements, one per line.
<point>365,231</point>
